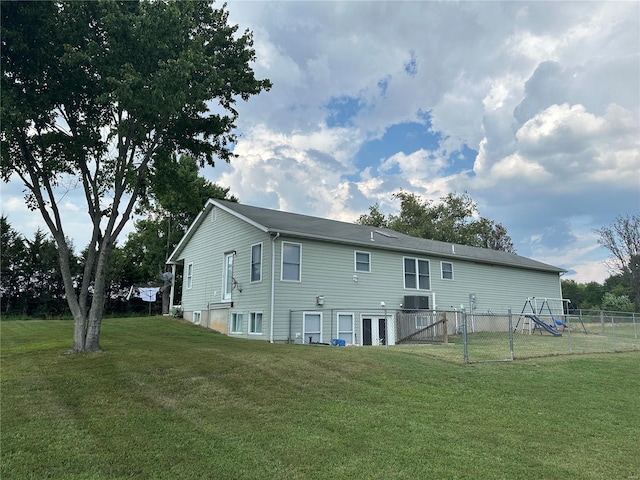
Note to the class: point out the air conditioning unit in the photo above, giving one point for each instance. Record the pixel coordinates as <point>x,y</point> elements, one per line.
<point>416,302</point>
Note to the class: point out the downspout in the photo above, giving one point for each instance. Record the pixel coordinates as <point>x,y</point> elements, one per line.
<point>273,283</point>
<point>172,289</point>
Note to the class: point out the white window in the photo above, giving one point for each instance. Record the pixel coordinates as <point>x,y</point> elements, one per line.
<point>189,275</point>
<point>227,276</point>
<point>256,262</point>
<point>197,317</point>
<point>416,274</point>
<point>423,320</point>
<point>291,254</point>
<point>236,322</point>
<point>312,327</point>
<point>255,322</point>
<point>345,327</point>
<point>362,261</point>
<point>447,270</point>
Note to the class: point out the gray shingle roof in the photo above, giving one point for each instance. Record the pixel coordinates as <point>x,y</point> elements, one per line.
<point>305,226</point>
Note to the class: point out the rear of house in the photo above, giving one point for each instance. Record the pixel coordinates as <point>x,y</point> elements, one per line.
<point>281,277</point>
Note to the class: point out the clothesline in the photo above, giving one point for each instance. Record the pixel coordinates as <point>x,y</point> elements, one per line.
<point>146,294</point>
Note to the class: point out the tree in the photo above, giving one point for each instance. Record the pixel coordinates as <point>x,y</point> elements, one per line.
<point>617,303</point>
<point>11,264</point>
<point>93,93</point>
<point>622,239</point>
<point>452,220</point>
<point>177,195</point>
<point>44,287</point>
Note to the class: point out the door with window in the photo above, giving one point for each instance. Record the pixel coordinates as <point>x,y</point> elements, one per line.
<point>228,276</point>
<point>312,327</point>
<point>345,327</point>
<point>374,330</point>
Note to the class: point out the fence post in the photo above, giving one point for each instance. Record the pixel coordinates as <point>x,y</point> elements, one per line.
<point>511,353</point>
<point>465,350</point>
<point>445,336</point>
<point>613,334</point>
<point>568,329</point>
<point>635,329</point>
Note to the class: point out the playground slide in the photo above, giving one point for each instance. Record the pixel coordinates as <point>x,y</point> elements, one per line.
<point>541,324</point>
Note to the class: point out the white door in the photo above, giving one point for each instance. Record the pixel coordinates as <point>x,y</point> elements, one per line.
<point>228,276</point>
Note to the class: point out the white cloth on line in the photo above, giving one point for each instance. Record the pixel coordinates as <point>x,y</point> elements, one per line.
<point>148,294</point>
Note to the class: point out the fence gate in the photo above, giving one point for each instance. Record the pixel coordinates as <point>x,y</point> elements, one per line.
<point>487,337</point>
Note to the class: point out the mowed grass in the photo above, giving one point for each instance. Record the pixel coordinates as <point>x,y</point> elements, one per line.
<point>169,400</point>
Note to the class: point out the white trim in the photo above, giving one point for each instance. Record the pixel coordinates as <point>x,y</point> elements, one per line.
<point>355,261</point>
<point>251,280</point>
<point>236,214</point>
<point>390,327</point>
<point>442,277</point>
<point>305,332</point>
<point>196,314</point>
<point>227,276</point>
<point>251,323</point>
<point>273,286</point>
<point>282,244</point>
<point>235,315</point>
<point>189,276</point>
<point>353,325</point>
<point>417,274</point>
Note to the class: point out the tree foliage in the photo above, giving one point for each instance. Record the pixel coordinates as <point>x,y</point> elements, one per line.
<point>93,93</point>
<point>454,219</point>
<point>622,239</point>
<point>30,281</point>
<point>176,197</point>
<point>12,260</point>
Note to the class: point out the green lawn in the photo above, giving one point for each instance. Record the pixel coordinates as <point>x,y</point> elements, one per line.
<point>169,400</point>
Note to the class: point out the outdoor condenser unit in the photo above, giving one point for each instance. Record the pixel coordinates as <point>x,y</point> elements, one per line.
<point>416,302</point>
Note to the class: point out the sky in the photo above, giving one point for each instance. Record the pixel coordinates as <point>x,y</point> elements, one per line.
<point>533,109</point>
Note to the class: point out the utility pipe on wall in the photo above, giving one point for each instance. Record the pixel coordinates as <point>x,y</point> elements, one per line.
<point>273,283</point>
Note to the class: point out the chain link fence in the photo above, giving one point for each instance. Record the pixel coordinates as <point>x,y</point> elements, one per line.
<point>490,337</point>
<point>460,337</point>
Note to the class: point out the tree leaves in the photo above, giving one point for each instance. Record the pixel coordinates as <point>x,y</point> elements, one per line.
<point>96,91</point>
<point>454,219</point>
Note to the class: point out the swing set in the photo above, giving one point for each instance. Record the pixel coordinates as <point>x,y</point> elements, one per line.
<point>531,320</point>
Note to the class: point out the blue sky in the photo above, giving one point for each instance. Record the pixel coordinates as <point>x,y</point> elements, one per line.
<point>533,109</point>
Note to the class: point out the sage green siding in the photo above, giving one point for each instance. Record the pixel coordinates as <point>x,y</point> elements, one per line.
<point>219,233</point>
<point>328,270</point>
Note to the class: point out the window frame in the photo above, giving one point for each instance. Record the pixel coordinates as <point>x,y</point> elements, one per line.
<point>305,332</point>
<point>197,314</point>
<point>282,262</point>
<point>416,273</point>
<point>252,323</point>
<point>236,317</point>
<point>353,326</point>
<point>227,276</point>
<point>442,271</point>
<point>189,276</point>
<point>258,263</point>
<point>356,263</point>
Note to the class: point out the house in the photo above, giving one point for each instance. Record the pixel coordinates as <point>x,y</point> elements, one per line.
<point>282,277</point>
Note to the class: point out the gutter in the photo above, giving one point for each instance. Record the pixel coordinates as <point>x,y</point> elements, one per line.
<point>273,284</point>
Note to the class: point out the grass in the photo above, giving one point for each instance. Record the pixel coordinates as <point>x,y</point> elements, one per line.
<point>169,400</point>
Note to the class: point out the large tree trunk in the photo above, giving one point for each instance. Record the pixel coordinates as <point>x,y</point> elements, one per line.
<point>87,324</point>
